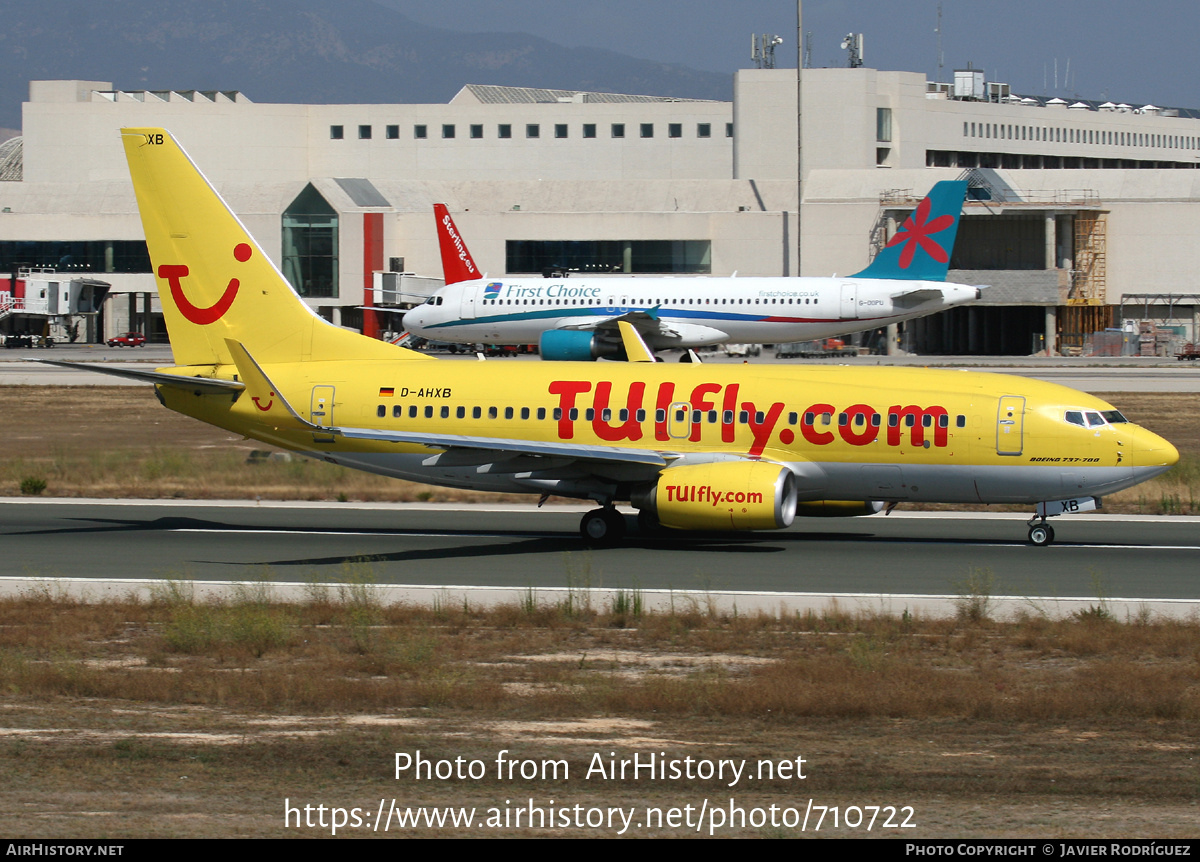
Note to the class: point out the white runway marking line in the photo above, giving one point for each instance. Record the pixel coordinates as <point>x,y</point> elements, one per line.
<point>405,534</point>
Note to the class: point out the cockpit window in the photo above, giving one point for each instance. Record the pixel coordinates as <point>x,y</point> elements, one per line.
<point>1075,417</point>
<point>1114,417</point>
<point>1094,419</point>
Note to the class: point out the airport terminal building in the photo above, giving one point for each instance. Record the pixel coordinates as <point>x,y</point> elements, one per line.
<point>1082,215</point>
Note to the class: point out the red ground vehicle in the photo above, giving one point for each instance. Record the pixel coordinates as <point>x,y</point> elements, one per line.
<point>128,339</point>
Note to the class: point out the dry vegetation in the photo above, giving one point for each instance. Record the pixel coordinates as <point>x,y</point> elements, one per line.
<point>76,441</point>
<point>175,717</point>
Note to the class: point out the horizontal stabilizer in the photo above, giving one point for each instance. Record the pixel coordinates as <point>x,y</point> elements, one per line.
<point>913,298</point>
<point>161,378</point>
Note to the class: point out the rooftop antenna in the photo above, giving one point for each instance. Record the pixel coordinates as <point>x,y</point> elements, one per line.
<point>853,43</point>
<point>762,49</point>
<point>941,57</point>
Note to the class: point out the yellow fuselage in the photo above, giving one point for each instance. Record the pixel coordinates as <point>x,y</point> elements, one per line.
<point>955,436</point>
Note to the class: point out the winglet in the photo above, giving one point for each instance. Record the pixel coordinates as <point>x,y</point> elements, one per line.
<point>921,248</point>
<point>457,264</point>
<point>260,388</point>
<point>635,349</point>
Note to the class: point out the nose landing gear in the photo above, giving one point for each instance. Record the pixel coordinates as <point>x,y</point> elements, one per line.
<point>1040,533</point>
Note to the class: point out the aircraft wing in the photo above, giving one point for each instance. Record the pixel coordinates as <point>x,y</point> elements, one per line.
<point>651,328</point>
<point>157,377</point>
<point>645,321</point>
<point>488,448</point>
<point>506,448</point>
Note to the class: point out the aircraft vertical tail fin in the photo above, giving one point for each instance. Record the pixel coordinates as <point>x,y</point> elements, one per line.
<point>457,263</point>
<point>214,281</point>
<point>921,248</point>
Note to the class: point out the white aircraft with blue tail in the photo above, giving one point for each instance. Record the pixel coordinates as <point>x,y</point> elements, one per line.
<point>577,318</point>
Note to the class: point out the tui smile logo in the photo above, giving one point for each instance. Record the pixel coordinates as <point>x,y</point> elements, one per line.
<point>492,290</point>
<point>915,233</point>
<point>175,273</point>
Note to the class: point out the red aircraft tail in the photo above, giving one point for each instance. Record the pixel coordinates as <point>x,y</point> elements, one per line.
<point>457,264</point>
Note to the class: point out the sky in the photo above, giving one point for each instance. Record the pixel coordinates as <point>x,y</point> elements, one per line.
<point>1132,52</point>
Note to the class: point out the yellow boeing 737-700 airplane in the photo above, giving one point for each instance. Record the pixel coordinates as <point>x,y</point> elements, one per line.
<point>693,447</point>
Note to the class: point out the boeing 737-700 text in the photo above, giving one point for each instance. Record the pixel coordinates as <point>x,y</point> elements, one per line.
<point>693,447</point>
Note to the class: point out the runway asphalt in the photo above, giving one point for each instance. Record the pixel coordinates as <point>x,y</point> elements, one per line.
<point>908,561</point>
<point>905,560</point>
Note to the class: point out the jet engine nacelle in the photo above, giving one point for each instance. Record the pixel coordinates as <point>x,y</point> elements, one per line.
<point>839,508</point>
<point>573,345</point>
<point>722,495</point>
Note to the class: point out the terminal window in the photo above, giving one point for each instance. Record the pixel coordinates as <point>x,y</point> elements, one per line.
<point>729,130</point>
<point>336,133</point>
<point>393,133</point>
<point>420,132</point>
<point>560,130</point>
<point>504,130</point>
<point>675,130</point>
<point>589,130</point>
<point>703,130</point>
<point>618,130</point>
<point>364,133</point>
<point>533,130</point>
<point>310,242</point>
<point>630,256</point>
<point>647,130</point>
<point>76,255</point>
<point>448,130</point>
<point>883,125</point>
<point>477,130</point>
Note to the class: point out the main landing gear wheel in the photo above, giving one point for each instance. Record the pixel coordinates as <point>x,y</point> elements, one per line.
<point>1041,535</point>
<point>602,526</point>
<point>648,524</point>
